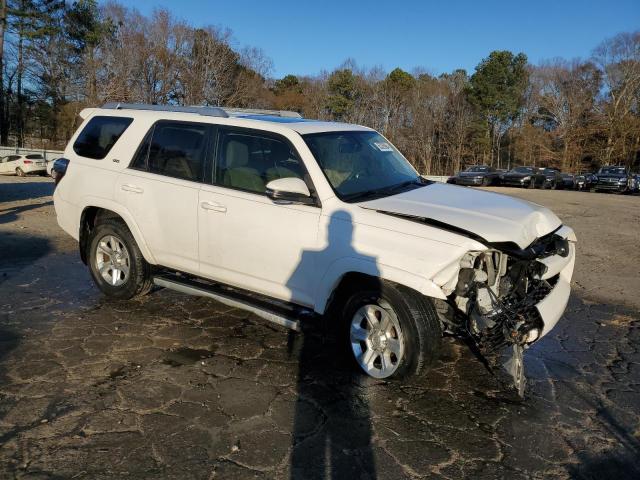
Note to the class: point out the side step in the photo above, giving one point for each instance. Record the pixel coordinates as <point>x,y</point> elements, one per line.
<point>281,313</point>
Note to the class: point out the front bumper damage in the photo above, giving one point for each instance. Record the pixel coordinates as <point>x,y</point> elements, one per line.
<point>506,299</point>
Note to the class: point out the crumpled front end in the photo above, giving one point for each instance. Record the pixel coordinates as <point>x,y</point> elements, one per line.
<point>507,297</point>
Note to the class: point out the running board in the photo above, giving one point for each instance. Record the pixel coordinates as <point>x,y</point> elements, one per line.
<point>237,299</point>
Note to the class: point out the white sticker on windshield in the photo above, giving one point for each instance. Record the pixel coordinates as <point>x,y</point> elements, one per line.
<point>383,146</point>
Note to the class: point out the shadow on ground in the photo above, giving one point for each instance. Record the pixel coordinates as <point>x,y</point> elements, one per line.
<point>21,190</point>
<point>177,386</point>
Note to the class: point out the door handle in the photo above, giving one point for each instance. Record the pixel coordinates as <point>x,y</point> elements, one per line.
<point>132,188</point>
<point>216,207</point>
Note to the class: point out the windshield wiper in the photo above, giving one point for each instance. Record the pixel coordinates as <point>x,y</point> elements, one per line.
<point>385,191</point>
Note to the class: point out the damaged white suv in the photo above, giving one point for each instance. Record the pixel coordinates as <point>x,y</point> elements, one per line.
<point>299,219</point>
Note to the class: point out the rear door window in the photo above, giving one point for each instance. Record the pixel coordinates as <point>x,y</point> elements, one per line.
<point>176,149</point>
<point>99,136</point>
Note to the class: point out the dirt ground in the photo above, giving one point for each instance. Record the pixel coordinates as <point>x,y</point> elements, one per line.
<point>173,386</point>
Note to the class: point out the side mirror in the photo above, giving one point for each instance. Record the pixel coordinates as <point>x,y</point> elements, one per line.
<point>289,190</point>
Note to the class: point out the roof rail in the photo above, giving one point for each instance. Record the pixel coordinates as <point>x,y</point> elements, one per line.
<point>259,111</point>
<point>208,111</point>
<point>203,110</point>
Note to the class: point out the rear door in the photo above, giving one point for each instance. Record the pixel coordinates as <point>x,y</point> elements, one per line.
<point>246,239</point>
<point>160,189</point>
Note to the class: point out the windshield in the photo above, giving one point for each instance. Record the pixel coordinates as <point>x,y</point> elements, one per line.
<point>362,165</point>
<point>477,169</point>
<point>523,170</point>
<point>613,170</point>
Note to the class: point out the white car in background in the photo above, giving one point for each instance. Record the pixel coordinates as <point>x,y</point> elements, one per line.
<point>22,165</point>
<point>301,220</point>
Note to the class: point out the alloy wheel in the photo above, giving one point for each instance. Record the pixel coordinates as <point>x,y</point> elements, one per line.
<point>112,260</point>
<point>377,340</point>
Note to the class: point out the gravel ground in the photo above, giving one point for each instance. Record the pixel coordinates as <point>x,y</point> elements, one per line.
<point>172,386</point>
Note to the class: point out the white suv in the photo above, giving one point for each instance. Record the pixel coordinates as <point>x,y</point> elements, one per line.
<point>299,219</point>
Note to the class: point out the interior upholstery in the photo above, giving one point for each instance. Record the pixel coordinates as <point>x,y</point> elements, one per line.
<point>238,172</point>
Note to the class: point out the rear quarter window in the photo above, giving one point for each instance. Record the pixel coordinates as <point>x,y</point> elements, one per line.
<point>99,136</point>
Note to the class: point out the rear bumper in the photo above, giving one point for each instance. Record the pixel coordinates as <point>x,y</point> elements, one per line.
<point>31,168</point>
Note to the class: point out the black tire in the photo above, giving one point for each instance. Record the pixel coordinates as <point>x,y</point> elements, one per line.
<point>139,281</point>
<point>20,172</point>
<point>418,322</point>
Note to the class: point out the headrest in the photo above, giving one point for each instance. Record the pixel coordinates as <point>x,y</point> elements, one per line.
<point>236,154</point>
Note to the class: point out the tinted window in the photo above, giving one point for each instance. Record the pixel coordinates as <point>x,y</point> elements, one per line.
<point>248,162</point>
<point>99,136</point>
<point>613,170</point>
<point>177,150</point>
<point>140,159</point>
<point>523,170</point>
<point>35,156</point>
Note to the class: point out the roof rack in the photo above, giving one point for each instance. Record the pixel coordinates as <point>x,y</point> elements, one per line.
<point>201,110</point>
<point>259,111</point>
<point>208,111</point>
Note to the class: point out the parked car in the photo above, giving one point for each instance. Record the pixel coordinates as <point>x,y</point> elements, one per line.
<point>616,179</point>
<point>585,181</point>
<point>479,175</point>
<point>568,181</point>
<point>22,165</point>
<point>50,171</point>
<point>519,177</point>
<point>299,220</point>
<point>548,178</point>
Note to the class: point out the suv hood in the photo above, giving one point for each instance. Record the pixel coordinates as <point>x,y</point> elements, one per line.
<point>491,216</point>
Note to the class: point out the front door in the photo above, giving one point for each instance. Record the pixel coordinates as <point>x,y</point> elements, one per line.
<point>246,239</point>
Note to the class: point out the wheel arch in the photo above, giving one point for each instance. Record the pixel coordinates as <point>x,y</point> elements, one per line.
<point>345,274</point>
<point>92,213</point>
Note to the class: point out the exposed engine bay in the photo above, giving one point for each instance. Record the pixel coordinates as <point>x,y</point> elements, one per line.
<point>493,302</point>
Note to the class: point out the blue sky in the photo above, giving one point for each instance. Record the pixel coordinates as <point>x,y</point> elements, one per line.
<point>307,37</point>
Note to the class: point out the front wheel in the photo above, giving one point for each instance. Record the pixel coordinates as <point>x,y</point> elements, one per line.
<point>116,263</point>
<point>392,331</point>
<point>20,172</point>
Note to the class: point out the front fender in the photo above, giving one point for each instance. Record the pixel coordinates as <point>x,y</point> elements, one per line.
<point>339,268</point>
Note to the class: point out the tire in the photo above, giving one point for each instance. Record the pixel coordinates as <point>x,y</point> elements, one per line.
<point>112,235</point>
<point>414,322</point>
<point>20,172</point>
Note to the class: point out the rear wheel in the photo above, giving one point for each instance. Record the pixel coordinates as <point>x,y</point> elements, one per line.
<point>20,172</point>
<point>392,332</point>
<point>115,261</point>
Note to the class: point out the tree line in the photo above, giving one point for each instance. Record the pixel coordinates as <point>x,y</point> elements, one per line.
<point>58,57</point>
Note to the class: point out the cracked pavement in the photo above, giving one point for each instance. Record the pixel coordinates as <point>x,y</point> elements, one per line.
<point>172,386</point>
